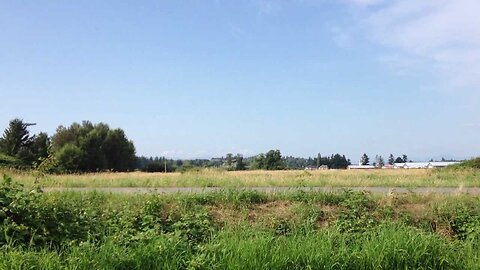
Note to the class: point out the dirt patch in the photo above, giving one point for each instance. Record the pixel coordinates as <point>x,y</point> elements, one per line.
<point>223,214</point>
<point>272,212</point>
<point>415,209</point>
<point>256,213</point>
<point>330,214</point>
<point>276,210</point>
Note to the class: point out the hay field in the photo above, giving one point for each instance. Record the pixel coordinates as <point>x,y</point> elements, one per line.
<point>220,178</point>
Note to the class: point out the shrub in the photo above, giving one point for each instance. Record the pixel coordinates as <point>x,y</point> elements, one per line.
<point>28,218</point>
<point>466,225</point>
<point>472,163</point>
<point>70,158</point>
<point>357,216</point>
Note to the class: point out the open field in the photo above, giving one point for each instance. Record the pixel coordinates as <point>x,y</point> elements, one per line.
<point>237,230</point>
<point>218,178</point>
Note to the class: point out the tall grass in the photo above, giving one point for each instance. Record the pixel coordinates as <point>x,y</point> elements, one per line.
<point>388,247</point>
<point>218,178</point>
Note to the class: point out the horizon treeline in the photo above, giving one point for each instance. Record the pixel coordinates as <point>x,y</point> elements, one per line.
<point>88,147</point>
<point>271,160</point>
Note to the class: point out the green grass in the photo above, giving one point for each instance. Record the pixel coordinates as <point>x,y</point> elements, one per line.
<point>237,229</point>
<point>388,247</point>
<point>464,177</point>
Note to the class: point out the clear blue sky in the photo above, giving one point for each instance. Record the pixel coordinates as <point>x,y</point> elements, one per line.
<point>196,78</point>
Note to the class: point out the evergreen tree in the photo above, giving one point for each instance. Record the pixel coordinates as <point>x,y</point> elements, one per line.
<point>17,144</point>
<point>380,162</point>
<point>15,137</point>
<point>39,147</point>
<point>364,160</point>
<point>391,159</point>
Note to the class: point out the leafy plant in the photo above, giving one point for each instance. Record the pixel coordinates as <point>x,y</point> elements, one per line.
<point>466,225</point>
<point>357,216</point>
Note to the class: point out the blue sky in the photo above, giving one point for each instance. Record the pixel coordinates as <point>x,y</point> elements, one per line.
<point>193,78</point>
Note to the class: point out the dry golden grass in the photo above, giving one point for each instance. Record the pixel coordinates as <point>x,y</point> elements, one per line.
<point>219,178</point>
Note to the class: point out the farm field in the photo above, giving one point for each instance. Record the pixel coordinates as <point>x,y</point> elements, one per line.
<point>218,178</point>
<point>237,230</point>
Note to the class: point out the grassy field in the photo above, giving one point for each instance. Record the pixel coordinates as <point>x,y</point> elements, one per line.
<point>237,230</point>
<point>218,178</point>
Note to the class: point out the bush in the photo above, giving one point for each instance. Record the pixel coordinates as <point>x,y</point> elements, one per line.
<point>357,216</point>
<point>472,163</point>
<point>29,218</point>
<point>466,225</point>
<point>70,158</point>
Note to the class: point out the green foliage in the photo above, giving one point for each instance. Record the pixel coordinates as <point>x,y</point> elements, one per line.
<point>9,161</point>
<point>89,148</point>
<point>70,158</point>
<point>40,147</point>
<point>107,231</point>
<point>84,147</point>
<point>466,224</point>
<point>16,138</point>
<point>17,143</point>
<point>272,160</point>
<point>472,163</point>
<point>391,159</point>
<point>119,151</point>
<point>194,227</point>
<point>238,198</point>
<point>246,197</point>
<point>357,216</point>
<point>239,163</point>
<point>391,247</point>
<point>365,160</point>
<point>282,227</point>
<point>30,219</point>
<point>336,161</point>
<point>48,164</point>
<point>158,165</point>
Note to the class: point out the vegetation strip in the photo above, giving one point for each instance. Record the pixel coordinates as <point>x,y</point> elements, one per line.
<point>169,190</point>
<point>237,229</point>
<point>421,178</point>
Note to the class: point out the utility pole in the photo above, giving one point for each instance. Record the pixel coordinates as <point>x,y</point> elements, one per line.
<point>165,159</point>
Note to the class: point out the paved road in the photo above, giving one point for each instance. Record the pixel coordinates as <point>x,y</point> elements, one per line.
<point>170,190</point>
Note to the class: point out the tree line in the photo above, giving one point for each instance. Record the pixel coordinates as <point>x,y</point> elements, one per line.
<point>88,147</point>
<point>84,147</point>
<point>271,160</point>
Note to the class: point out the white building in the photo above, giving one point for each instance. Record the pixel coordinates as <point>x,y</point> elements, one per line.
<point>360,167</point>
<point>422,165</point>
